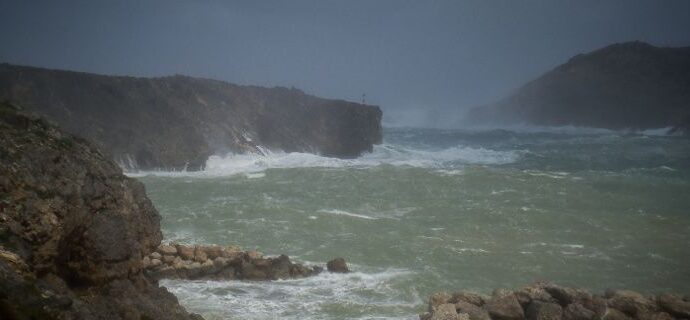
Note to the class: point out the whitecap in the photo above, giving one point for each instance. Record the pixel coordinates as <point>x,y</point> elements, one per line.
<point>346,213</point>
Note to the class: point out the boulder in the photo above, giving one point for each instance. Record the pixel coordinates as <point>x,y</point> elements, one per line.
<point>213,252</point>
<point>654,316</point>
<point>155,255</point>
<point>630,302</point>
<point>444,312</point>
<point>438,299</point>
<point>200,254</point>
<point>539,310</point>
<point>576,311</point>
<point>675,305</point>
<point>533,293</point>
<point>613,314</point>
<point>337,265</point>
<point>503,305</point>
<point>566,296</point>
<point>167,250</point>
<point>185,252</point>
<point>469,297</point>
<point>473,312</point>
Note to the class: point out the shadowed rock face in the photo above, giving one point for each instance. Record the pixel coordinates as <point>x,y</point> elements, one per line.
<point>73,230</point>
<point>178,121</point>
<point>630,85</point>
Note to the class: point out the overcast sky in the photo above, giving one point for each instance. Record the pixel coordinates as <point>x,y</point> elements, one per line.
<point>430,56</point>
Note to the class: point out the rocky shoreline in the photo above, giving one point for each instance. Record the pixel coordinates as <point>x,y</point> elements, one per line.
<point>546,301</point>
<point>212,262</point>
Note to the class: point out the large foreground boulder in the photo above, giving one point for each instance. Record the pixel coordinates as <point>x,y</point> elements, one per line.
<point>73,230</point>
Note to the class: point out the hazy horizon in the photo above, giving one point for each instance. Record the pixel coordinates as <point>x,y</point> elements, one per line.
<point>423,63</point>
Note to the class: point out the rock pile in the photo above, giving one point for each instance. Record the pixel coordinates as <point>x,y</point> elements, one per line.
<point>176,261</point>
<point>545,301</point>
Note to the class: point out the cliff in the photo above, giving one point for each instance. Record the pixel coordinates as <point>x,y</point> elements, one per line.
<point>73,230</point>
<point>177,122</point>
<point>630,85</point>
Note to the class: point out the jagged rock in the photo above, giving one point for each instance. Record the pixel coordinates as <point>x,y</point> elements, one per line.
<point>533,293</point>
<point>438,299</point>
<point>538,310</point>
<point>185,252</point>
<point>85,229</point>
<point>566,296</point>
<point>503,305</point>
<point>473,298</point>
<point>613,314</point>
<point>576,311</point>
<point>474,312</point>
<point>630,302</point>
<point>445,312</point>
<point>200,255</point>
<point>167,250</point>
<point>337,265</point>
<point>675,305</point>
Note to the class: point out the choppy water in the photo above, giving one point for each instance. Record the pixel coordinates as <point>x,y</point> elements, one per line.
<point>434,210</point>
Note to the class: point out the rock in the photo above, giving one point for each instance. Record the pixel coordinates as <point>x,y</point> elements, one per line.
<point>654,316</point>
<point>613,314</point>
<point>675,305</point>
<point>473,312</point>
<point>146,262</point>
<point>168,259</point>
<point>200,254</point>
<point>185,252</point>
<point>576,311</point>
<point>468,297</point>
<point>155,262</point>
<point>280,267</point>
<point>337,265</point>
<point>566,296</point>
<point>167,250</point>
<point>221,262</point>
<point>425,316</point>
<point>178,263</point>
<point>226,117</point>
<point>503,305</point>
<point>253,255</point>
<point>630,302</point>
<point>444,312</point>
<point>155,255</point>
<point>438,299</point>
<point>84,229</point>
<point>533,293</point>
<point>538,310</point>
<point>214,252</point>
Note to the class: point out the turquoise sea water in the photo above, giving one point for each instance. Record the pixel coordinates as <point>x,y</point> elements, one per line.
<point>433,210</point>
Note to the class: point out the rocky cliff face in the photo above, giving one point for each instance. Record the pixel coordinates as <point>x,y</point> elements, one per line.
<point>73,230</point>
<point>178,121</point>
<point>623,86</point>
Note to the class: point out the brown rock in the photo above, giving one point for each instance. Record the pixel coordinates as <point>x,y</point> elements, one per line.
<point>337,265</point>
<point>438,299</point>
<point>675,305</point>
<point>576,311</point>
<point>185,252</point>
<point>155,263</point>
<point>221,262</point>
<point>214,252</point>
<point>654,316</point>
<point>630,302</point>
<point>473,312</point>
<point>468,297</point>
<point>533,293</point>
<point>503,305</point>
<point>200,254</point>
<point>167,250</point>
<point>566,296</point>
<point>444,312</point>
<point>146,262</point>
<point>168,259</point>
<point>538,310</point>
<point>253,254</point>
<point>155,255</point>
<point>613,314</point>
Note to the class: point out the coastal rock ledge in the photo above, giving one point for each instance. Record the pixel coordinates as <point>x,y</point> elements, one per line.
<point>546,301</point>
<point>213,262</point>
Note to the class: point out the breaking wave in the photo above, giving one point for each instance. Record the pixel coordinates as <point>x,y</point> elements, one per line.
<point>386,154</point>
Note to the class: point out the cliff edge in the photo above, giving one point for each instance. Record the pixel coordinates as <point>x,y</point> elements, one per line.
<point>177,122</point>
<point>73,230</point>
<point>631,85</point>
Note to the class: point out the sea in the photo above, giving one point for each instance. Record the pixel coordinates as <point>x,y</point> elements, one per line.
<point>437,210</point>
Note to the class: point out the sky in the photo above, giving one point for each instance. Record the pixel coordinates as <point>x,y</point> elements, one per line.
<point>423,62</point>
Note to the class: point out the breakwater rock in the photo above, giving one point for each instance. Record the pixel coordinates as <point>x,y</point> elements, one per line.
<point>73,230</point>
<point>545,301</point>
<point>176,261</point>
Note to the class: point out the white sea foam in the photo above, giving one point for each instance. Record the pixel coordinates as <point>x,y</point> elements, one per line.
<point>306,298</point>
<point>349,214</point>
<point>252,164</point>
